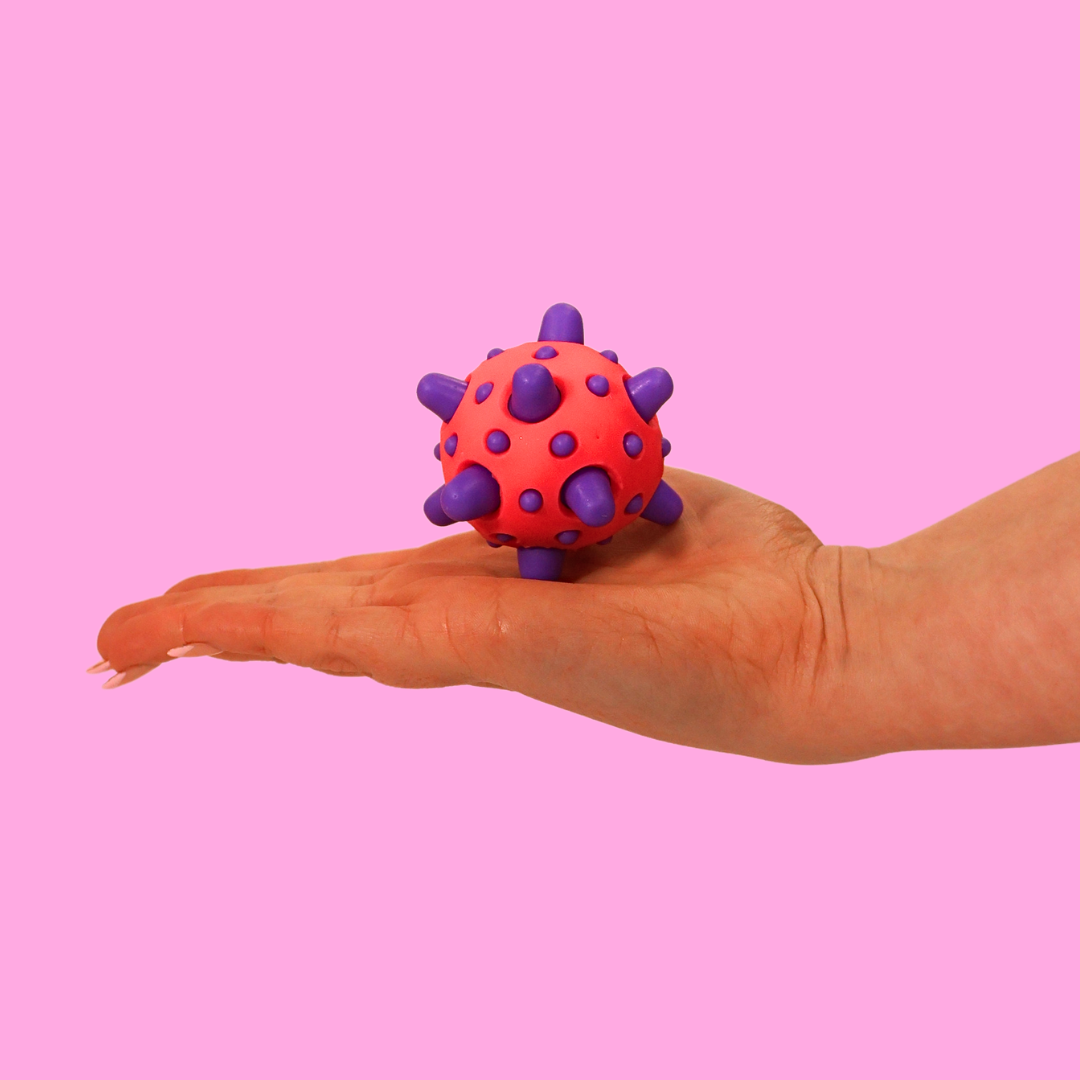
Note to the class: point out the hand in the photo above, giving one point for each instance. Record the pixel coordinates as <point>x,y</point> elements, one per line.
<point>726,631</point>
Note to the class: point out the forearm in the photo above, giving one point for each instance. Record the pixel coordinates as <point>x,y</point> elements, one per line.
<point>977,622</point>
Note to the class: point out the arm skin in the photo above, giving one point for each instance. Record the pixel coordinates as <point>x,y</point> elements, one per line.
<point>735,630</point>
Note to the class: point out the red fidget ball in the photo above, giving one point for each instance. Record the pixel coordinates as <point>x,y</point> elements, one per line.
<point>550,446</point>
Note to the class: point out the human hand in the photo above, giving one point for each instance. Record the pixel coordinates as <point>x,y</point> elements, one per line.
<point>724,631</point>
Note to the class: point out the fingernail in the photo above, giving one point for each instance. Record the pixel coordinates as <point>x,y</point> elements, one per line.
<point>99,667</point>
<point>122,678</point>
<point>197,648</point>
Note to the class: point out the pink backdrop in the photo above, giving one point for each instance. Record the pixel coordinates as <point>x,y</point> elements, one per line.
<point>232,236</point>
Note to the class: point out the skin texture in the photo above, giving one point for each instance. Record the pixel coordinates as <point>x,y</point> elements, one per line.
<point>734,630</point>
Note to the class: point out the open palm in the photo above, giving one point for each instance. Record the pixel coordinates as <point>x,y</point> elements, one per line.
<point>712,633</point>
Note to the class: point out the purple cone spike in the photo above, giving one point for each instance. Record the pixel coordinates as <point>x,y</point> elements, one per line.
<point>492,353</point>
<point>540,564</point>
<point>562,322</point>
<point>613,356</point>
<point>649,390</point>
<point>665,507</point>
<point>473,493</point>
<point>534,395</point>
<point>588,494</point>
<point>441,394</point>
<point>433,510</point>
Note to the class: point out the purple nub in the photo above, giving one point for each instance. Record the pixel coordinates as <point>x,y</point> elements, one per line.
<point>632,444</point>
<point>563,444</point>
<point>534,395</point>
<point>483,391</point>
<point>540,564</point>
<point>433,510</point>
<point>492,353</point>
<point>598,385</point>
<point>635,504</point>
<point>498,442</point>
<point>649,390</point>
<point>568,537</point>
<point>545,352</point>
<point>451,445</point>
<point>504,538</point>
<point>613,356</point>
<point>472,494</point>
<point>562,322</point>
<point>600,543</point>
<point>438,456</point>
<point>441,394</point>
<point>665,447</point>
<point>531,501</point>
<point>588,494</point>
<point>491,543</point>
<point>665,507</point>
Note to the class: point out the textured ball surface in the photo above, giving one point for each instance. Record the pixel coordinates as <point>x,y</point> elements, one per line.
<point>531,474</point>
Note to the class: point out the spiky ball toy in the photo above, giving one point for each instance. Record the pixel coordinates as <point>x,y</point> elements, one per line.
<point>550,446</point>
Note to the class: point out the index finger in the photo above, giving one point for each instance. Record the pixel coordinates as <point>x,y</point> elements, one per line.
<point>467,548</point>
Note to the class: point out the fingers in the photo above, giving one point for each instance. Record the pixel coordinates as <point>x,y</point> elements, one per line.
<point>219,619</point>
<point>339,629</point>
<point>412,626</point>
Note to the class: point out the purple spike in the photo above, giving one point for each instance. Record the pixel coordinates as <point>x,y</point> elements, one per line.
<point>634,505</point>
<point>531,501</point>
<point>540,564</point>
<point>564,444</point>
<point>632,444</point>
<point>504,538</point>
<point>649,390</point>
<point>491,543</point>
<point>438,455</point>
<point>665,448</point>
<point>545,352</point>
<point>562,322</point>
<point>588,494</point>
<point>600,543</point>
<point>492,353</point>
<point>441,394</point>
<point>498,442</point>
<point>472,494</point>
<point>598,385</point>
<point>433,510</point>
<point>613,356</point>
<point>534,394</point>
<point>483,391</point>
<point>665,507</point>
<point>568,537</point>
<point>451,445</point>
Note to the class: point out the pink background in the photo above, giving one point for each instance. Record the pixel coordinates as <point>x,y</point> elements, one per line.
<point>232,237</point>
